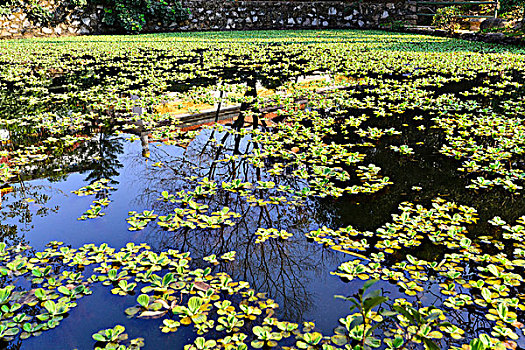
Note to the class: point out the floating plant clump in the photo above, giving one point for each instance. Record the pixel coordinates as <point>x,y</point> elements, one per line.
<point>167,288</point>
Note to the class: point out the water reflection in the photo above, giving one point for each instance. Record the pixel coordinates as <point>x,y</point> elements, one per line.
<point>21,204</point>
<point>283,269</point>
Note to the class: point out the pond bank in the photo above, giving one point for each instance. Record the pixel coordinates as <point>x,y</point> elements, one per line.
<point>494,38</point>
<point>220,16</point>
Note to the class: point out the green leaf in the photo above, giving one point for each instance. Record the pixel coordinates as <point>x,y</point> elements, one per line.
<point>194,304</point>
<point>430,345</point>
<point>64,290</point>
<point>98,337</point>
<point>12,331</point>
<point>257,344</point>
<point>477,344</point>
<point>373,342</point>
<point>143,300</point>
<point>339,339</point>
<point>50,306</point>
<point>370,303</point>
<point>368,284</point>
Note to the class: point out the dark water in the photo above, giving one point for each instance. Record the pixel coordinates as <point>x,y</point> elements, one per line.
<point>295,273</point>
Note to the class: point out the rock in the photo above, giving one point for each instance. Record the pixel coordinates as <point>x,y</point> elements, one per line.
<point>72,30</point>
<point>255,18</point>
<point>348,18</point>
<point>86,21</point>
<point>325,24</point>
<point>307,22</point>
<point>474,24</point>
<point>291,21</point>
<point>332,11</point>
<point>491,23</point>
<point>46,30</point>
<point>384,15</point>
<point>360,23</point>
<point>315,22</point>
<point>58,30</point>
<point>493,37</point>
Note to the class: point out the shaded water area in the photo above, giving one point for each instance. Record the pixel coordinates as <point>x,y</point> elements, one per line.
<point>295,273</point>
<point>140,164</point>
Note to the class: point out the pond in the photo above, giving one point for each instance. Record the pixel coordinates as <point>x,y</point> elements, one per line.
<point>227,190</point>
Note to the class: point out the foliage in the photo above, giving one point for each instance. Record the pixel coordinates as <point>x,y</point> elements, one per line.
<point>37,13</point>
<point>446,18</point>
<point>509,5</point>
<point>132,15</point>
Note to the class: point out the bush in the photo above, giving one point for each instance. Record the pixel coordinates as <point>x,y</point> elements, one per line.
<point>509,5</point>
<point>39,14</point>
<point>447,18</point>
<point>132,15</point>
<point>6,6</point>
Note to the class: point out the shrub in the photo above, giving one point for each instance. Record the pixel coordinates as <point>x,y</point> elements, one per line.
<point>6,6</point>
<point>39,14</point>
<point>509,5</point>
<point>447,18</point>
<point>132,15</point>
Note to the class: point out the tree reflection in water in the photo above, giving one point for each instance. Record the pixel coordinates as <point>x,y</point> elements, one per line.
<point>283,269</point>
<point>97,157</point>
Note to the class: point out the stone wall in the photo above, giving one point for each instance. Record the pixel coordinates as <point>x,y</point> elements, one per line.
<point>249,15</point>
<point>221,15</point>
<point>70,21</point>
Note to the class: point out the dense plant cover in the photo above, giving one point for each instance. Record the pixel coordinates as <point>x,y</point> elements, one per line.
<point>129,16</point>
<point>133,15</point>
<point>508,5</point>
<point>427,130</point>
